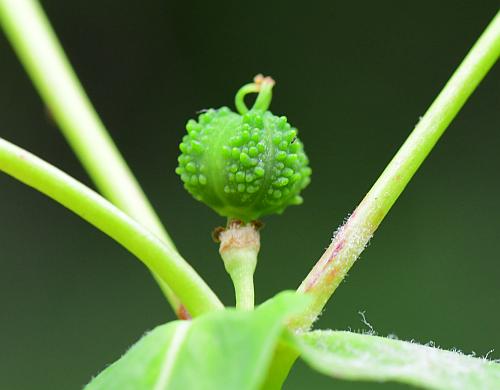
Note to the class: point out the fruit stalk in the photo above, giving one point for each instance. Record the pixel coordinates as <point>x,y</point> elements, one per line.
<point>239,248</point>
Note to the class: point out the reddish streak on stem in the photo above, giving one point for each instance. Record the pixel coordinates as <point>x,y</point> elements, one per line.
<point>323,264</point>
<point>182,313</point>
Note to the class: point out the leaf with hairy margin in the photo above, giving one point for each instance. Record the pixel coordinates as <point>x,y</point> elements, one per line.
<point>354,356</point>
<point>223,350</point>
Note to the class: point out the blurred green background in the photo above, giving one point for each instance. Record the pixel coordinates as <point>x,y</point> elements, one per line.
<point>354,77</point>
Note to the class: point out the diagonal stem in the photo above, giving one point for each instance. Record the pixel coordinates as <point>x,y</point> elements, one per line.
<point>158,256</point>
<point>353,236</point>
<point>38,48</point>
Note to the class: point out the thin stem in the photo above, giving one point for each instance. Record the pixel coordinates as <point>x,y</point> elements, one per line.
<point>353,237</point>
<point>265,95</point>
<point>264,87</point>
<point>159,257</point>
<point>239,99</point>
<point>38,48</point>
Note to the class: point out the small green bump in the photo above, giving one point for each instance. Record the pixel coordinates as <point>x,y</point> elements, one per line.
<point>252,189</point>
<point>295,177</point>
<point>197,147</point>
<point>277,194</point>
<point>253,151</point>
<point>291,135</point>
<point>207,117</point>
<point>283,145</point>
<point>232,177</point>
<point>249,177</point>
<point>226,151</point>
<point>202,179</point>
<point>233,168</point>
<point>280,182</point>
<point>281,156</point>
<point>227,190</point>
<point>179,170</point>
<point>191,167</point>
<point>245,159</point>
<point>297,200</point>
<point>295,147</point>
<point>255,136</point>
<point>280,166</point>
<point>287,172</point>
<point>241,187</point>
<point>235,153</point>
<point>240,177</point>
<point>253,162</point>
<point>259,171</point>
<point>194,180</point>
<point>291,159</point>
<point>277,139</point>
<point>261,147</point>
<point>192,126</point>
<point>185,177</point>
<point>239,141</point>
<point>282,121</point>
<point>183,147</point>
<point>245,136</point>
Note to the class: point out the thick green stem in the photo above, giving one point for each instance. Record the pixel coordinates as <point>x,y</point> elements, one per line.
<point>39,50</point>
<point>240,265</point>
<point>159,257</point>
<point>354,235</point>
<point>239,248</point>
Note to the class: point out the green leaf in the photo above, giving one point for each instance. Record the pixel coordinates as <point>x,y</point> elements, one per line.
<point>355,356</point>
<point>223,350</point>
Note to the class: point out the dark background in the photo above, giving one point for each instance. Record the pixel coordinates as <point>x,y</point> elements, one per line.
<point>354,77</point>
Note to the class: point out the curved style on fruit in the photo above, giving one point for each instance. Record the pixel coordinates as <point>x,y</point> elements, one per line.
<point>245,165</point>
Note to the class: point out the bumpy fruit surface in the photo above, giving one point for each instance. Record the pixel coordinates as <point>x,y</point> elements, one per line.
<point>243,166</point>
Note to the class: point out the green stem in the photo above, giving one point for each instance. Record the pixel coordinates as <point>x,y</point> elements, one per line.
<point>239,248</point>
<point>159,257</point>
<point>239,99</point>
<point>39,50</point>
<point>262,85</point>
<point>240,265</point>
<point>265,95</point>
<point>353,237</point>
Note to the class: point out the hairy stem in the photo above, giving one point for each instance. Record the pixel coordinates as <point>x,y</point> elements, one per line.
<point>353,236</point>
<point>159,257</point>
<point>39,50</point>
